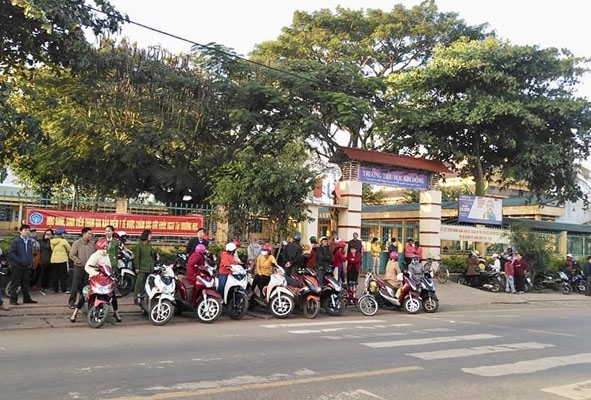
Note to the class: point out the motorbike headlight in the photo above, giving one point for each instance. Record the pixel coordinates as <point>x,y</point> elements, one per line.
<point>167,280</point>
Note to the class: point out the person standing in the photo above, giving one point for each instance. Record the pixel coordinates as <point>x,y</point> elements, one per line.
<point>79,254</point>
<point>339,257</point>
<point>45,244</point>
<point>35,273</point>
<point>60,249</point>
<point>353,266</point>
<point>520,267</point>
<point>419,251</point>
<point>375,250</point>
<point>393,246</point>
<point>496,263</point>
<point>324,259</point>
<point>20,256</point>
<point>409,251</point>
<point>509,275</point>
<point>144,262</point>
<point>587,272</point>
<point>294,255</point>
<point>112,245</point>
<point>199,239</point>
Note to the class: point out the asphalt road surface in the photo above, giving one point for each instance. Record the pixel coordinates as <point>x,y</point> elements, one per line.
<point>505,353</point>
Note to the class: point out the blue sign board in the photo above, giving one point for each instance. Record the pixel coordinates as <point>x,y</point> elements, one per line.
<point>389,177</point>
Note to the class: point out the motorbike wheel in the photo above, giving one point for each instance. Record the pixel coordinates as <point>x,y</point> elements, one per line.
<point>8,289</point>
<point>565,288</point>
<point>127,284</point>
<point>430,305</point>
<point>311,308</point>
<point>237,305</point>
<point>281,306</point>
<point>367,305</point>
<point>442,274</point>
<point>208,310</point>
<point>580,287</point>
<point>462,281</point>
<point>97,315</point>
<point>496,286</point>
<point>412,305</point>
<point>334,305</point>
<point>161,312</point>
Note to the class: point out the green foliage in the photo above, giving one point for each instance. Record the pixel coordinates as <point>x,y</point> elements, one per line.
<point>535,249</point>
<point>272,184</point>
<point>494,110</point>
<point>455,263</point>
<point>371,197</point>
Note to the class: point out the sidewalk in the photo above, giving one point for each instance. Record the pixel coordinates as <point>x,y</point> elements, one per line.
<point>52,310</point>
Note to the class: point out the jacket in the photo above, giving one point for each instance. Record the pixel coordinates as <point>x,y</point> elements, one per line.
<point>19,254</point>
<point>60,248</point>
<point>112,250</point>
<point>324,257</point>
<point>46,251</point>
<point>264,265</point>
<point>293,253</point>
<point>226,259</point>
<point>195,261</point>
<point>392,271</point>
<point>99,257</point>
<point>142,256</point>
<point>81,251</point>
<point>375,249</point>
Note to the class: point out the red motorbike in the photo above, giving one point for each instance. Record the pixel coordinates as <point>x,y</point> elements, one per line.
<point>98,295</point>
<point>202,299</point>
<point>407,297</point>
<point>306,290</point>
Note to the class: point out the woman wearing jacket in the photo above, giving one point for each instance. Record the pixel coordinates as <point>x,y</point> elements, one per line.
<point>60,248</point>
<point>144,262</point>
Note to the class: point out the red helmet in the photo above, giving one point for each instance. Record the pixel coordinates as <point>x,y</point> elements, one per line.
<point>200,248</point>
<point>266,247</point>
<point>101,244</point>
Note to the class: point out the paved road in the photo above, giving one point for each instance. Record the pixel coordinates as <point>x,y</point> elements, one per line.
<point>512,351</point>
<point>52,310</point>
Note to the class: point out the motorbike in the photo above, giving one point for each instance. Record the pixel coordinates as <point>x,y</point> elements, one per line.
<point>180,264</point>
<point>275,296</point>
<point>235,295</point>
<point>577,281</point>
<point>158,301</point>
<point>306,290</point>
<point>366,304</point>
<point>428,296</point>
<point>487,279</point>
<point>331,296</point>
<point>98,294</point>
<point>202,299</point>
<point>555,281</point>
<point>124,274</point>
<point>407,297</point>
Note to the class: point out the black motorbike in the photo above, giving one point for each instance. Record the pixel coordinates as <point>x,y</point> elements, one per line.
<point>552,280</point>
<point>428,296</point>
<point>487,280</point>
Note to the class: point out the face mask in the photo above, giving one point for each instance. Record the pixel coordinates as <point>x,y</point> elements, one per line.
<point>264,253</point>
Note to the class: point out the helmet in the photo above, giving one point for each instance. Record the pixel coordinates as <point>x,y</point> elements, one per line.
<point>201,248</point>
<point>60,231</point>
<point>231,247</point>
<point>341,244</point>
<point>266,247</point>
<point>569,255</point>
<point>313,239</point>
<point>237,242</point>
<point>284,243</point>
<point>476,252</point>
<point>297,236</point>
<point>393,255</point>
<point>323,238</point>
<point>101,244</point>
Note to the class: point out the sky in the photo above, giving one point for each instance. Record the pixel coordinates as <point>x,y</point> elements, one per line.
<point>240,24</point>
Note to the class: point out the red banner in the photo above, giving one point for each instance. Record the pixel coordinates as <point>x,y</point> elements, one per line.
<point>160,225</point>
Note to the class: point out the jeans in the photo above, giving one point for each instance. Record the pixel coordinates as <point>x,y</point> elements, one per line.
<point>509,284</point>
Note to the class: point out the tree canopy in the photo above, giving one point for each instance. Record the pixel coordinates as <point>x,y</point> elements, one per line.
<point>495,111</point>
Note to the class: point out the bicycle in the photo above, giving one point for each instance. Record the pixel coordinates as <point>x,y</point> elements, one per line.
<point>366,304</point>
<point>440,270</point>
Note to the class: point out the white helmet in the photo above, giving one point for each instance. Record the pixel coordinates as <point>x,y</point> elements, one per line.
<point>231,247</point>
<point>569,255</point>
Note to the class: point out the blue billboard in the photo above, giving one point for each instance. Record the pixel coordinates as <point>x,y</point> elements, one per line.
<point>480,210</point>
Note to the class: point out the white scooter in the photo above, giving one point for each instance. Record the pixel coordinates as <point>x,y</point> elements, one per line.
<point>276,296</point>
<point>235,297</point>
<point>159,302</point>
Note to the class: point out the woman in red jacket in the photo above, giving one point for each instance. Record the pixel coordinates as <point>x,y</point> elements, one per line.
<point>339,258</point>
<point>353,266</point>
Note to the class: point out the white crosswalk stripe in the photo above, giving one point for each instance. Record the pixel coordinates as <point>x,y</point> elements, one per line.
<point>433,340</point>
<point>479,350</point>
<point>529,366</point>
<point>574,391</point>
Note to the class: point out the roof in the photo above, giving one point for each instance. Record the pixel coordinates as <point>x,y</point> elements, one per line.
<point>395,160</point>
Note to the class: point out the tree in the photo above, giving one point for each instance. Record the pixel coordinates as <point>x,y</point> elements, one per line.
<point>338,63</point>
<point>533,247</point>
<point>495,111</point>
<point>371,197</point>
<point>271,185</point>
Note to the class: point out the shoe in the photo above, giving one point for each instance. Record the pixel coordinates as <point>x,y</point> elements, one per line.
<point>66,292</point>
<point>14,303</point>
<point>5,307</point>
<point>71,306</point>
<point>72,319</point>
<point>31,301</point>
<point>118,319</point>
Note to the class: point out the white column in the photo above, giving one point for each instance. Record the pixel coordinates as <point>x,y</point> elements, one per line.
<point>430,223</point>
<point>350,217</point>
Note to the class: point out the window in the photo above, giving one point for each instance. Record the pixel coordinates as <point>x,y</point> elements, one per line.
<point>255,226</point>
<point>5,214</point>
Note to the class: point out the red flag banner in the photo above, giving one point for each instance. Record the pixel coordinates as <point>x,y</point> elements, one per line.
<point>160,225</point>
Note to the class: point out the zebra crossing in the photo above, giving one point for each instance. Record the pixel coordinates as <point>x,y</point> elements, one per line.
<point>382,334</point>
